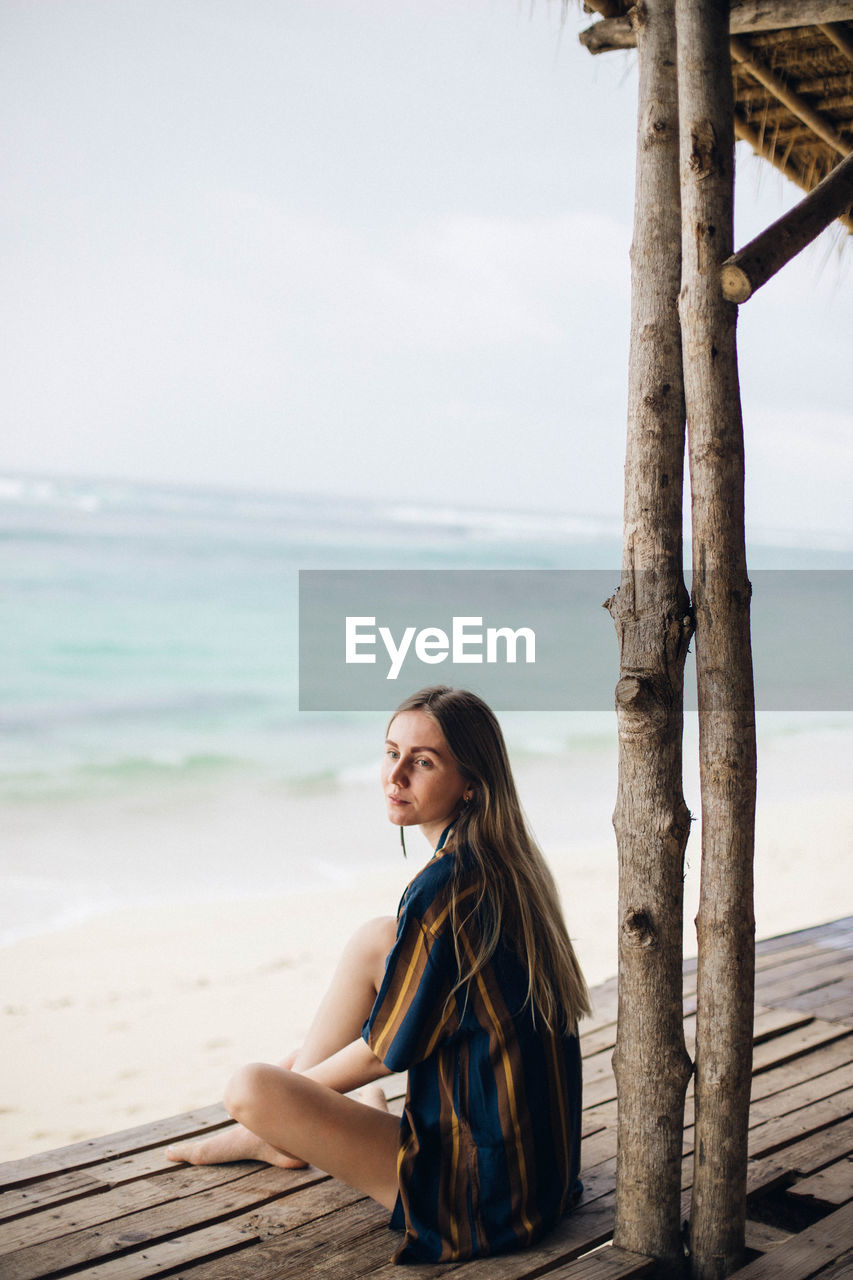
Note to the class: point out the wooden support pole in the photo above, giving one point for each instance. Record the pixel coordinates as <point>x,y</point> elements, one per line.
<point>721,594</point>
<point>746,16</point>
<point>795,104</point>
<point>754,265</point>
<point>653,623</point>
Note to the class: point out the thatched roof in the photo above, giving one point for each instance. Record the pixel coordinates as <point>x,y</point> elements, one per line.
<point>793,83</point>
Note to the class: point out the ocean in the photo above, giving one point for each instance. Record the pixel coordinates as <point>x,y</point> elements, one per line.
<point>150,734</point>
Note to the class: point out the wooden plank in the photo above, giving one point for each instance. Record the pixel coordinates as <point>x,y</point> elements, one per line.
<point>347,1243</point>
<point>797,982</point>
<point>779,1170</point>
<point>607,1263</point>
<point>837,1008</point>
<point>61,1188</point>
<point>599,1083</point>
<point>142,1164</point>
<point>187,1206</point>
<point>600,1091</point>
<point>833,933</point>
<point>794,980</point>
<point>802,1094</point>
<point>821,1061</point>
<point>842,1267</point>
<point>785,1129</point>
<point>801,956</point>
<point>788,1093</point>
<point>173,1184</point>
<point>777,1149</point>
<point>808,1155</point>
<point>82,1154</point>
<point>832,1185</point>
<point>600,1039</point>
<point>601,1116</point>
<point>830,933</point>
<point>40,1195</point>
<point>830,995</point>
<point>779,995</point>
<point>761,1237</point>
<point>789,1040</point>
<point>225,1238</point>
<point>807,1253</point>
<point>770,1022</point>
<point>772,1053</point>
<point>773,965</point>
<point>597,1149</point>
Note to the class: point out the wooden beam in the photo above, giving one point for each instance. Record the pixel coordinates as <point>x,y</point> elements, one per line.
<point>746,16</point>
<point>771,15</point>
<point>780,160</point>
<point>839,37</point>
<point>753,266</point>
<point>744,55</point>
<point>608,35</point>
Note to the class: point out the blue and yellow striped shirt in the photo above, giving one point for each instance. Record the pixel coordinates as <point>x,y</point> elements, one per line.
<point>490,1136</point>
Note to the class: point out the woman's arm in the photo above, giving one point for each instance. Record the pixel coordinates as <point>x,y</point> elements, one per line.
<point>350,1068</point>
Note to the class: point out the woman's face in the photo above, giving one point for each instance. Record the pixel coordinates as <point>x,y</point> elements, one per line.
<point>422,784</point>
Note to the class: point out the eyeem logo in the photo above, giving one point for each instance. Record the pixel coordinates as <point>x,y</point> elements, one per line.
<point>539,640</point>
<point>465,643</point>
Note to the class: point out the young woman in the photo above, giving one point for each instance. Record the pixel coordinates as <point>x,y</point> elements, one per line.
<point>474,990</point>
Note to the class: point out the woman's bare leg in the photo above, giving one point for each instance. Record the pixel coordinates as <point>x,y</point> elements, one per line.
<point>350,996</point>
<point>338,1021</point>
<point>281,1111</point>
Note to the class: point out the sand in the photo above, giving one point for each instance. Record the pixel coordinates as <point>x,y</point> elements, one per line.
<point>143,1012</point>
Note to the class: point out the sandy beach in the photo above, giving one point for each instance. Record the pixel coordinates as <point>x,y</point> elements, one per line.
<point>142,1012</point>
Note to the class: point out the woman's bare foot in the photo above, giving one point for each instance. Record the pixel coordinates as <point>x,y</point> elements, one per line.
<point>373,1095</point>
<point>228,1145</point>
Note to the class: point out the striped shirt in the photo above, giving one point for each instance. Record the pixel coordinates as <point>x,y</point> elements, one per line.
<point>489,1145</point>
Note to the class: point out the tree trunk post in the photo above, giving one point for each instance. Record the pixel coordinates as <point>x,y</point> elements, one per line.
<point>721,594</point>
<point>653,623</point>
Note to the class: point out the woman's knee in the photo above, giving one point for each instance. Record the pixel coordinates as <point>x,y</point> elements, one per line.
<point>247,1092</point>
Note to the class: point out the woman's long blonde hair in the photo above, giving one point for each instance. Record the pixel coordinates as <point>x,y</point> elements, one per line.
<point>517,893</point>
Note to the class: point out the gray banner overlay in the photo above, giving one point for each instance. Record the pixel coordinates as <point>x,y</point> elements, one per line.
<point>539,640</point>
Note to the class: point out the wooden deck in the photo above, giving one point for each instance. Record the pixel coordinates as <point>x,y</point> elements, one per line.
<point>114,1208</point>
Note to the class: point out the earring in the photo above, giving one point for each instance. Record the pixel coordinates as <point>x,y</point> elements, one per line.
<point>403,841</point>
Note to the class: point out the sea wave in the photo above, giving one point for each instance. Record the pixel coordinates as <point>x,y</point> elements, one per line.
<point>504,524</point>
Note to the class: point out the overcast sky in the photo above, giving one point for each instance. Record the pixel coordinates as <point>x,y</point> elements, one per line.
<point>378,246</point>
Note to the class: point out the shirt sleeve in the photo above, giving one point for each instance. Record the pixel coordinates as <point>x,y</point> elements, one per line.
<point>412,1014</point>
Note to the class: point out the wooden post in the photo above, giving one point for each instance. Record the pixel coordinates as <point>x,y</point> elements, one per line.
<point>721,593</point>
<point>653,623</point>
